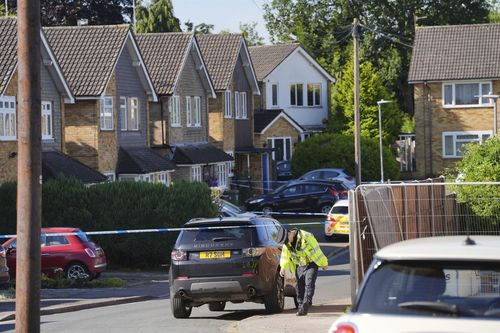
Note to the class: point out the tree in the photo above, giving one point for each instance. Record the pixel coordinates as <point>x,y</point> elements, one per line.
<point>157,17</point>
<point>199,29</point>
<point>481,163</point>
<point>371,91</point>
<point>250,34</point>
<point>329,150</point>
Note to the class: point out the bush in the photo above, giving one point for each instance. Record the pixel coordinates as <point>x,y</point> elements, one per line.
<point>119,206</point>
<point>329,150</point>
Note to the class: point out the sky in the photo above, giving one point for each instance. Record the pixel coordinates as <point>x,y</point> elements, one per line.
<point>223,14</point>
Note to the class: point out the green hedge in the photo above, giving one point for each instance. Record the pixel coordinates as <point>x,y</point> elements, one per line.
<point>118,206</point>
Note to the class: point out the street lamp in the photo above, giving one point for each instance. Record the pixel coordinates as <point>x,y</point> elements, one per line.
<point>380,137</point>
<point>494,98</point>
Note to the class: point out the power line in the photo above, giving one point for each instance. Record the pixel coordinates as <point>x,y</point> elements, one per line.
<point>386,36</point>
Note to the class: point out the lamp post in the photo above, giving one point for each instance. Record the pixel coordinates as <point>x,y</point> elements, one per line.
<point>379,103</point>
<point>494,98</point>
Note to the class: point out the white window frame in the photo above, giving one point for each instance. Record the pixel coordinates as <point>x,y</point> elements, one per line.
<point>237,105</point>
<point>110,175</point>
<point>277,95</point>
<point>174,106</point>
<point>196,173</point>
<point>296,84</point>
<point>106,115</point>
<point>123,113</point>
<point>8,116</point>
<point>316,103</point>
<point>230,164</point>
<point>197,111</point>
<point>189,115</point>
<point>244,106</point>
<point>481,102</point>
<point>134,112</point>
<point>480,135</point>
<point>222,175</point>
<point>273,145</point>
<point>47,114</point>
<point>227,104</point>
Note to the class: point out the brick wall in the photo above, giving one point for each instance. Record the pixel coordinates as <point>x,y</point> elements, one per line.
<point>216,120</point>
<point>108,140</point>
<point>281,128</point>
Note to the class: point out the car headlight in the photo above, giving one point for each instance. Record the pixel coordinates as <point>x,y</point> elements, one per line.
<point>256,201</point>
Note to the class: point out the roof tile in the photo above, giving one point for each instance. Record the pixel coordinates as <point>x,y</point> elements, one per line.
<point>8,50</point>
<point>267,57</point>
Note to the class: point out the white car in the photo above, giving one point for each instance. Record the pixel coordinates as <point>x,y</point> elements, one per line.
<point>227,209</point>
<point>436,284</point>
<point>337,220</point>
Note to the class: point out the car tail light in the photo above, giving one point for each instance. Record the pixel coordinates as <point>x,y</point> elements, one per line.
<point>345,328</point>
<point>248,274</point>
<point>178,255</point>
<point>332,191</point>
<point>343,192</point>
<point>182,278</point>
<point>99,252</point>
<point>253,251</point>
<point>331,220</point>
<point>90,252</point>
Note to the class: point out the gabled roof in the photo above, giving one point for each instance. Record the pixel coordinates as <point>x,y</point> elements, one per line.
<point>221,52</point>
<point>141,160</point>
<point>166,54</point>
<point>55,163</point>
<point>459,52</point>
<point>263,120</point>
<point>267,58</point>
<point>88,56</point>
<point>8,59</point>
<point>202,153</point>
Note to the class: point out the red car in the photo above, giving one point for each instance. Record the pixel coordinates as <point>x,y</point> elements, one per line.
<point>77,255</point>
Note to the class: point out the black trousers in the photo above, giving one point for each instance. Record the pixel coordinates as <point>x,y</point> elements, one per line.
<point>306,282</point>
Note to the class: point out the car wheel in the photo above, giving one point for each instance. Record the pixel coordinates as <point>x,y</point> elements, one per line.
<point>325,209</point>
<point>217,306</point>
<point>267,210</point>
<point>76,270</point>
<point>179,307</point>
<point>275,301</point>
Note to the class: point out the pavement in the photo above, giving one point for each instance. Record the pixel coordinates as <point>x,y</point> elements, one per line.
<point>146,286</point>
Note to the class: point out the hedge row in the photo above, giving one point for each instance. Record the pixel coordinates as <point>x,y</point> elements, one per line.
<point>118,206</point>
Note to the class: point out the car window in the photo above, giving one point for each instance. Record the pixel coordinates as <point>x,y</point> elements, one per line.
<point>56,240</point>
<point>330,174</point>
<point>292,190</point>
<point>313,188</point>
<point>193,236</point>
<point>339,210</point>
<point>311,175</point>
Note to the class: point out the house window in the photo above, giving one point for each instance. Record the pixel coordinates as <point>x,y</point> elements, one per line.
<point>7,118</point>
<point>227,105</point>
<point>175,111</point>
<point>282,148</point>
<point>244,110</point>
<point>123,113</point>
<point>274,94</point>
<point>133,120</point>
<point>110,175</point>
<point>189,116</point>
<point>197,111</point>
<point>196,173</point>
<point>454,142</point>
<point>230,164</point>
<point>466,94</point>
<point>313,94</point>
<point>222,174</point>
<point>296,94</point>
<point>237,105</point>
<point>107,113</point>
<point>47,121</point>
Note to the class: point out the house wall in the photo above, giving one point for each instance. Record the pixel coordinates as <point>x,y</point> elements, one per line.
<point>281,128</point>
<point>107,148</point>
<point>297,69</point>
<point>432,119</point>
<point>181,173</point>
<point>243,127</point>
<point>128,84</point>
<point>158,126</point>
<point>216,123</point>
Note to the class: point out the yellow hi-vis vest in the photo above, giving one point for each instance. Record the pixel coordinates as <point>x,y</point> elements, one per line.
<point>306,250</point>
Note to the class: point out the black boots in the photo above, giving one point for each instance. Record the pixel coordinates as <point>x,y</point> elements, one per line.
<point>303,309</point>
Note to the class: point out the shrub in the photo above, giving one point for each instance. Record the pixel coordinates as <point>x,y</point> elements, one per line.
<point>329,150</point>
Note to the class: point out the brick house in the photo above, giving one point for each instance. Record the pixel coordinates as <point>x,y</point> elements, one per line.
<point>55,92</point>
<point>231,113</point>
<point>451,67</point>
<point>179,120</point>
<point>107,127</point>
<point>291,80</point>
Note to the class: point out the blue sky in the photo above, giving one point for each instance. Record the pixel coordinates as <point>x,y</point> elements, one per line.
<point>223,14</point>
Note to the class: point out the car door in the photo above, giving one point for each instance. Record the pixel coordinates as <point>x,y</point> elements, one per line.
<point>290,199</point>
<point>54,250</point>
<point>312,195</point>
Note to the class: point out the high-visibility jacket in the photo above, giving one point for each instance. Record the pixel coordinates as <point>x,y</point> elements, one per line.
<point>306,250</point>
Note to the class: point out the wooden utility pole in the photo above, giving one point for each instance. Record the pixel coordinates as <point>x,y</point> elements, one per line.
<point>29,168</point>
<point>357,121</point>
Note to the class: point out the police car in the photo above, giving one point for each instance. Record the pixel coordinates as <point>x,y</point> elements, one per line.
<point>337,220</point>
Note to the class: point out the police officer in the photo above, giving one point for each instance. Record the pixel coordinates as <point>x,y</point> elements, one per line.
<point>302,255</point>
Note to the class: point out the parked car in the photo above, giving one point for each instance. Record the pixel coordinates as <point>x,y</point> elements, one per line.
<point>236,263</point>
<point>437,284</point>
<point>330,174</point>
<point>227,209</point>
<point>304,196</point>
<point>284,170</point>
<point>337,220</point>
<point>4,269</point>
<point>77,255</point>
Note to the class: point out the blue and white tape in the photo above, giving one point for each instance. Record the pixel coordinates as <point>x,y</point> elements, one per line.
<point>160,230</point>
<point>290,213</point>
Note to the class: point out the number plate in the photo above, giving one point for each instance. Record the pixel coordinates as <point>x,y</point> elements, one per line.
<point>215,254</point>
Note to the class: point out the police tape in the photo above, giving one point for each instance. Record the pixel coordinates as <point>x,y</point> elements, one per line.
<point>161,230</point>
<point>260,181</point>
<point>289,213</point>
